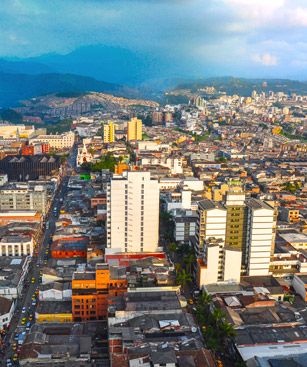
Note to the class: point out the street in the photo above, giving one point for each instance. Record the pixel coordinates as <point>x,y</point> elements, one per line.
<point>24,315</point>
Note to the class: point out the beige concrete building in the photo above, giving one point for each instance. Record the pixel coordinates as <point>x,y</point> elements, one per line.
<point>23,198</point>
<point>236,232</point>
<point>60,141</point>
<point>8,131</point>
<point>16,246</point>
<point>133,213</point>
<point>220,263</point>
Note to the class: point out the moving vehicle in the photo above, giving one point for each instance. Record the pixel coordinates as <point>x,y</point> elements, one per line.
<point>21,337</point>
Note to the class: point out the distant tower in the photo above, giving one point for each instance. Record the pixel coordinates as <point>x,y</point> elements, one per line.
<point>109,132</point>
<point>17,135</point>
<point>157,118</point>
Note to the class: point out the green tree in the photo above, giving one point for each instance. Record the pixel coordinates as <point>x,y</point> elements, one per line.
<point>106,162</point>
<point>91,150</point>
<point>189,261</point>
<point>177,267</point>
<point>183,278</point>
<point>227,330</point>
<point>172,247</point>
<point>203,308</point>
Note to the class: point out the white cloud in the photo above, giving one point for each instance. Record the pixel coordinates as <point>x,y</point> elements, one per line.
<point>298,17</point>
<point>265,59</point>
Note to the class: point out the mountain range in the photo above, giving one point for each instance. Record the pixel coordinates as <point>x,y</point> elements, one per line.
<point>112,70</point>
<point>15,87</point>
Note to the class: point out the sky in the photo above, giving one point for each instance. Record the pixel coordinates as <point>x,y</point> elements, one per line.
<point>250,38</point>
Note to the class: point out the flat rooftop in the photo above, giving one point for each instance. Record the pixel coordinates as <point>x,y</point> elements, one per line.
<point>294,237</point>
<point>256,335</point>
<point>47,307</point>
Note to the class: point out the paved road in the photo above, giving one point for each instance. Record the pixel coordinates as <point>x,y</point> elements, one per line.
<point>25,306</point>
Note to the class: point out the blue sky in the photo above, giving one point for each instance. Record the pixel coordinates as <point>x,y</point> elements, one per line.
<point>226,37</point>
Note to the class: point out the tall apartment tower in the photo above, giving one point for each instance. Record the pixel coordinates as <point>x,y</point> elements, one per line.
<point>168,117</point>
<point>260,235</point>
<point>109,132</point>
<point>233,237</point>
<point>133,213</point>
<point>157,118</point>
<point>134,129</point>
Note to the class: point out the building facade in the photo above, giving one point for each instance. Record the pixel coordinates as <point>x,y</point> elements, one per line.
<point>7,307</point>
<point>133,213</point>
<point>60,141</point>
<point>24,168</point>
<point>134,129</point>
<point>109,132</point>
<point>19,198</point>
<point>16,246</point>
<point>234,236</point>
<point>83,156</point>
<point>92,292</point>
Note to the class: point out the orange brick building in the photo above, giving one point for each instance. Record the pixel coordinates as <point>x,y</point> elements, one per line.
<point>92,293</point>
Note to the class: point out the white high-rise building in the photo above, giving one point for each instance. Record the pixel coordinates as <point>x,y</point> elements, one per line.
<point>234,236</point>
<point>260,236</point>
<point>133,213</point>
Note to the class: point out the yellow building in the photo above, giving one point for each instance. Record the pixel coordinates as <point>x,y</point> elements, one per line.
<point>109,132</point>
<point>134,129</point>
<point>218,194</point>
<point>59,311</point>
<point>276,130</point>
<point>120,168</point>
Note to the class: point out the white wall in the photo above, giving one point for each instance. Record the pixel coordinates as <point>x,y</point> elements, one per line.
<point>5,319</point>
<point>209,275</point>
<point>232,265</point>
<point>260,237</point>
<point>299,286</point>
<point>133,213</point>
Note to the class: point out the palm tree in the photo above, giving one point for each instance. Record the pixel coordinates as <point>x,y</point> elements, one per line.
<point>217,316</point>
<point>177,267</point>
<point>203,304</point>
<point>228,330</point>
<point>172,247</point>
<point>201,316</point>
<point>205,298</point>
<point>212,338</point>
<point>183,278</point>
<point>189,260</point>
